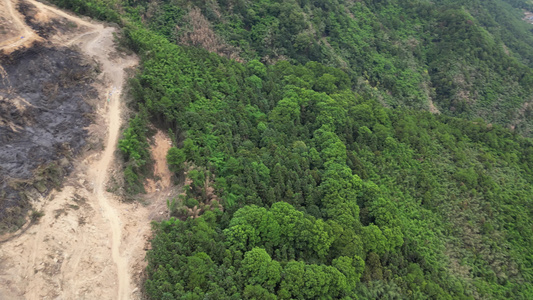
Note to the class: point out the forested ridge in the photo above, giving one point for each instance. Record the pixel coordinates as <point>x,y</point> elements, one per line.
<point>313,169</point>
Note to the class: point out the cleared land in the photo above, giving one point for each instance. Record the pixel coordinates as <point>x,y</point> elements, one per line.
<point>88,244</point>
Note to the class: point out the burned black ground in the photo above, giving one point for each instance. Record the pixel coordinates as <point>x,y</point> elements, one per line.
<point>47,28</point>
<point>43,120</point>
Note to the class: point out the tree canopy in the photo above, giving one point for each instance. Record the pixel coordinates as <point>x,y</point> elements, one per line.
<point>315,170</point>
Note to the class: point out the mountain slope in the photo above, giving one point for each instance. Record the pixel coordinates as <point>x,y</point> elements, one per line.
<point>311,168</point>
<point>470,59</point>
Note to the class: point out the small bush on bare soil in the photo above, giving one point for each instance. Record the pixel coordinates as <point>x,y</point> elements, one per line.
<point>36,215</point>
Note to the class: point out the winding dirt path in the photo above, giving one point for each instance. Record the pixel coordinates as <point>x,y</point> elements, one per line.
<point>97,47</point>
<point>25,33</point>
<point>102,42</point>
<point>88,245</point>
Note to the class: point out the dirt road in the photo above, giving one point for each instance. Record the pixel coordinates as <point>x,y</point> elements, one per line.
<point>98,47</point>
<point>88,245</point>
<point>24,34</point>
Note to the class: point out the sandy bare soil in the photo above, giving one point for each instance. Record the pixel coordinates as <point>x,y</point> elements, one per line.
<point>88,244</point>
<point>14,31</point>
<point>162,175</point>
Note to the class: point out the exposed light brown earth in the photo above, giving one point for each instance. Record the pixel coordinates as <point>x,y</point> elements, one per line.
<point>14,31</point>
<point>162,175</point>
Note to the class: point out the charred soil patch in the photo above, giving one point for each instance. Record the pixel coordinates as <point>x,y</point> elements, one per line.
<point>43,120</point>
<point>32,17</point>
<point>43,24</point>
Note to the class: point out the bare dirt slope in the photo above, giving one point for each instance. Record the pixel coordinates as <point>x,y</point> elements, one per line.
<point>88,244</point>
<point>162,175</point>
<point>14,32</point>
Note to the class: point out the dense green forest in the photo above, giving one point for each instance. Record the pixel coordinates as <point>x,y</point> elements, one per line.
<point>464,58</point>
<point>315,170</point>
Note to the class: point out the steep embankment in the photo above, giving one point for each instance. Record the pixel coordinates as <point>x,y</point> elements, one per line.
<point>87,244</point>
